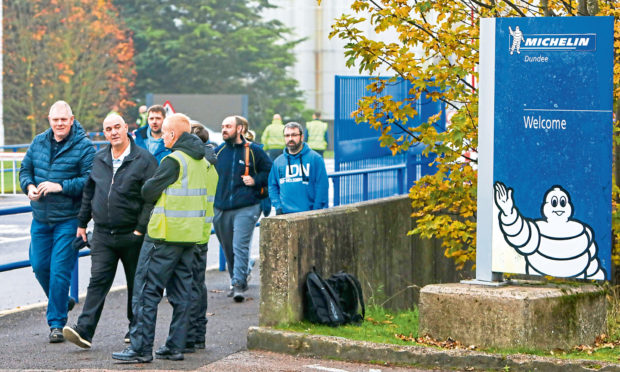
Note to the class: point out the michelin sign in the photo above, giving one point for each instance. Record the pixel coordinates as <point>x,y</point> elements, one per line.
<point>545,142</point>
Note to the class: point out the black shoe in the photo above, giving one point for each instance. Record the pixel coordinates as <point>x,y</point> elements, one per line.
<point>70,304</point>
<point>199,345</point>
<point>127,339</point>
<point>189,348</point>
<point>129,355</point>
<point>74,336</point>
<point>56,335</point>
<point>165,353</point>
<point>239,293</point>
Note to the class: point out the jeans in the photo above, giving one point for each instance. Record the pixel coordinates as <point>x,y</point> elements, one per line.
<point>200,297</point>
<point>161,265</point>
<point>106,250</point>
<point>53,257</point>
<point>234,229</point>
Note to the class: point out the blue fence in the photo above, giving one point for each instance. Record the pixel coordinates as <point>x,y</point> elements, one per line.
<point>357,147</point>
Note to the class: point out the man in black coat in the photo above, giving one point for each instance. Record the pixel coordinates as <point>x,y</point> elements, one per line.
<point>112,198</point>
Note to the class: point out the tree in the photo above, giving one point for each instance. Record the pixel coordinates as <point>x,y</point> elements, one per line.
<point>447,33</point>
<point>214,47</point>
<point>74,50</point>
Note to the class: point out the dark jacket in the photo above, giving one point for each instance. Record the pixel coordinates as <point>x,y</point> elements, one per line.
<point>231,192</point>
<point>168,171</point>
<point>210,153</point>
<point>141,137</point>
<point>116,204</point>
<point>69,167</point>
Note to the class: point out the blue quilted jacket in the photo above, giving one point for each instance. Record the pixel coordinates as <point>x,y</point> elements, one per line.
<point>70,168</point>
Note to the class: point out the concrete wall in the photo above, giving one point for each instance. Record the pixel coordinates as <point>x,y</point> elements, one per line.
<point>367,239</point>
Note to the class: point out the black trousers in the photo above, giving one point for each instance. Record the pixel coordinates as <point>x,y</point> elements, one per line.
<point>107,249</point>
<point>161,265</point>
<point>200,299</point>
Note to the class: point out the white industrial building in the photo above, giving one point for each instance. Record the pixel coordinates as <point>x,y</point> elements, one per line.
<point>319,58</point>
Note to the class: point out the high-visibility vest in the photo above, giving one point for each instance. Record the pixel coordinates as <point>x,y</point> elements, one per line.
<point>316,134</point>
<point>273,136</point>
<point>184,211</point>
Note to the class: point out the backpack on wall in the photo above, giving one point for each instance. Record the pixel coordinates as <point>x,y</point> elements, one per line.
<point>350,295</point>
<point>322,304</point>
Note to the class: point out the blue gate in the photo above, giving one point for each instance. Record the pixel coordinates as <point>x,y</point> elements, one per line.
<point>357,146</point>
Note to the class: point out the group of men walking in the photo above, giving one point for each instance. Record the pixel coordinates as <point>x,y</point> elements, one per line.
<point>153,201</point>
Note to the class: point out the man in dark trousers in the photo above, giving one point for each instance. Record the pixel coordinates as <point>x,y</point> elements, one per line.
<point>243,168</point>
<point>178,223</point>
<point>112,197</point>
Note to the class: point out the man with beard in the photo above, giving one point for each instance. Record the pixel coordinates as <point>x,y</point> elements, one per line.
<point>298,180</point>
<point>149,136</point>
<point>237,202</point>
<point>112,198</point>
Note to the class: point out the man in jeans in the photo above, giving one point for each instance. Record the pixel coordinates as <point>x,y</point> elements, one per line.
<point>112,197</point>
<point>237,205</point>
<point>52,174</point>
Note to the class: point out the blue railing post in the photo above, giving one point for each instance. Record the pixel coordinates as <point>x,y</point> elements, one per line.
<point>222,259</point>
<point>401,180</point>
<point>74,292</point>
<point>365,186</point>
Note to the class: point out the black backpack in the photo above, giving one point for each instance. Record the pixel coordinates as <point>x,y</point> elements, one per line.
<point>322,303</point>
<point>349,293</point>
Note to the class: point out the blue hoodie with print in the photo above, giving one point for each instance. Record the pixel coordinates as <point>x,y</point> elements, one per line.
<point>298,183</point>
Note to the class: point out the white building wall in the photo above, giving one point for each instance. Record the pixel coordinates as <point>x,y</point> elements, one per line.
<point>319,59</point>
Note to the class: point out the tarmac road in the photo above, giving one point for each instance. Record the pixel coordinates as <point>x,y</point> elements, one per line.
<point>23,334</point>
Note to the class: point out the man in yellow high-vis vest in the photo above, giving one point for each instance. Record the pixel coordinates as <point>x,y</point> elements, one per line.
<point>273,139</point>
<point>181,219</point>
<point>316,133</point>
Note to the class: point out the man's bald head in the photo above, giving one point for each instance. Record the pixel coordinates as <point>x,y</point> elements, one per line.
<point>113,118</point>
<point>174,126</point>
<point>115,130</point>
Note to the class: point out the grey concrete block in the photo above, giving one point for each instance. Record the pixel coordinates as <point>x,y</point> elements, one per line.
<point>542,317</point>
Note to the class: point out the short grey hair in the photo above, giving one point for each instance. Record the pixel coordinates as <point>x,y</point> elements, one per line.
<point>294,124</point>
<point>63,104</point>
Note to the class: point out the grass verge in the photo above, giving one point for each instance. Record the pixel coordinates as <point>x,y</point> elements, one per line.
<point>401,328</point>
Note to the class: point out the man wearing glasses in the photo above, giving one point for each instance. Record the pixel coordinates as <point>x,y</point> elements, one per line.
<point>298,180</point>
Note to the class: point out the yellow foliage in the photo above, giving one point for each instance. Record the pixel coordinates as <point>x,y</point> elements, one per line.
<point>444,204</point>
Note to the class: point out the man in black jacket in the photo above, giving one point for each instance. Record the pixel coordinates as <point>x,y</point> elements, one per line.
<point>112,198</point>
<point>243,168</point>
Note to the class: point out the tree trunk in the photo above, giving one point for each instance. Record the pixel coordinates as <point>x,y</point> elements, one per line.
<point>582,8</point>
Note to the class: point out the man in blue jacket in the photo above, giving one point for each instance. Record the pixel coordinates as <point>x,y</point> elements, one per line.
<point>298,180</point>
<point>243,168</point>
<point>53,173</point>
<point>149,136</point>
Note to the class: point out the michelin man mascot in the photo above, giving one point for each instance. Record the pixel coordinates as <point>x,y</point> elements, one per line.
<point>517,38</point>
<point>555,245</point>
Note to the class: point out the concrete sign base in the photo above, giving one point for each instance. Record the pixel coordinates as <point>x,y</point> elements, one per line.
<point>526,316</point>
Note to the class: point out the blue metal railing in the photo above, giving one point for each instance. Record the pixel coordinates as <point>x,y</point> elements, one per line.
<point>335,176</point>
<point>399,168</point>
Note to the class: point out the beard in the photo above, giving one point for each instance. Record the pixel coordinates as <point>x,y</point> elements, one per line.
<point>230,139</point>
<point>294,147</point>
